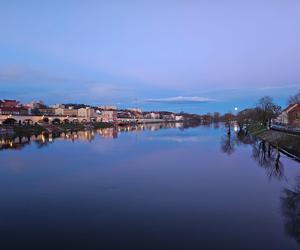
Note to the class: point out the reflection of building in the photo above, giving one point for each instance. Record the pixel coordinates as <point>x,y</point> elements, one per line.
<point>80,135</point>
<point>108,132</point>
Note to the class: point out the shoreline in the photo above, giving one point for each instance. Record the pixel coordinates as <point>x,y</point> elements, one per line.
<point>287,143</point>
<point>16,130</point>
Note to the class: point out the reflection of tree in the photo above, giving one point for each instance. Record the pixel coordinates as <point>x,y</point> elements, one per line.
<point>243,137</point>
<point>269,158</point>
<point>227,144</point>
<point>290,205</point>
<point>263,153</point>
<point>216,125</point>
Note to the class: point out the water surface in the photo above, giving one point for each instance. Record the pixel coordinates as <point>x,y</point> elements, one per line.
<point>148,188</point>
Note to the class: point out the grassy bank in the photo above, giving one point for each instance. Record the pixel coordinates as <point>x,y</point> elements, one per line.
<point>98,125</point>
<point>283,140</point>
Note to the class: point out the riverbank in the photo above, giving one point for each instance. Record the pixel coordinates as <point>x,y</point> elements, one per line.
<point>16,130</point>
<point>289,143</point>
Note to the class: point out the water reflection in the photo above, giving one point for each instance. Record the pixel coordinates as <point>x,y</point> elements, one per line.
<point>290,204</point>
<point>42,140</point>
<point>228,144</point>
<point>268,157</point>
<point>264,153</point>
<point>178,182</point>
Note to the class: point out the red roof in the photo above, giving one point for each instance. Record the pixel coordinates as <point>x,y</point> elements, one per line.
<point>291,106</point>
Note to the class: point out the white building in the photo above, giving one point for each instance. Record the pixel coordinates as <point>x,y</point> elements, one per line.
<point>152,115</point>
<point>88,113</point>
<point>178,118</point>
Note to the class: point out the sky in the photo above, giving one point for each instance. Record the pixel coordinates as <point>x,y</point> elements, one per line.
<point>192,56</point>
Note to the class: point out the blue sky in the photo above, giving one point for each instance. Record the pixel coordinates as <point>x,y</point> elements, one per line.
<point>193,56</point>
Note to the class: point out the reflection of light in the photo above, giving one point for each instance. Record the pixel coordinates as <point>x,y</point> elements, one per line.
<point>235,127</point>
<point>43,138</point>
<point>50,139</point>
<point>11,144</point>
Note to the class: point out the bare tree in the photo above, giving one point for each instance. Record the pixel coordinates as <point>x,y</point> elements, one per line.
<point>267,110</point>
<point>294,98</point>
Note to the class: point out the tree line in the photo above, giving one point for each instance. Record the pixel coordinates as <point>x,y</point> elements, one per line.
<point>262,113</point>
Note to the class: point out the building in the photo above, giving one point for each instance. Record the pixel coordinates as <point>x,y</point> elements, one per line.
<point>88,113</point>
<point>13,111</point>
<point>9,104</point>
<point>168,117</point>
<point>108,116</point>
<point>47,111</point>
<point>35,105</point>
<point>135,113</point>
<point>59,111</point>
<point>294,115</point>
<point>124,114</point>
<point>152,115</point>
<point>135,110</point>
<point>178,118</point>
<point>66,112</point>
<point>71,112</point>
<point>290,116</point>
<point>108,107</point>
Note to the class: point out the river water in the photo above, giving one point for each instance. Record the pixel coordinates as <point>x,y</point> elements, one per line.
<point>148,187</point>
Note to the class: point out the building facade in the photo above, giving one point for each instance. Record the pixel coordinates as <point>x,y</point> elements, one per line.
<point>88,113</point>
<point>66,112</point>
<point>9,104</point>
<point>108,116</point>
<point>290,116</point>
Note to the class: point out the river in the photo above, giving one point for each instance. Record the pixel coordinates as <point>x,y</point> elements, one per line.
<point>148,187</point>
